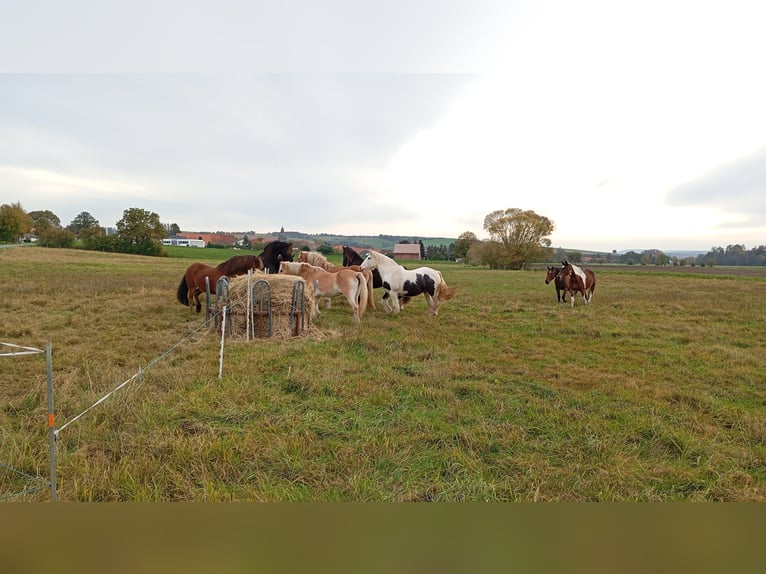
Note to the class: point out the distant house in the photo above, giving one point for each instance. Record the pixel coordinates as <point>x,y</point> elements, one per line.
<point>227,239</point>
<point>183,242</point>
<point>407,251</point>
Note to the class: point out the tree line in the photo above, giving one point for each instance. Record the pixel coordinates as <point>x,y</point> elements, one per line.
<point>517,238</point>
<point>139,231</point>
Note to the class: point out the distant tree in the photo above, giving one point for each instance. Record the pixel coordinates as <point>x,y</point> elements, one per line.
<point>463,244</point>
<point>521,235</point>
<point>172,229</point>
<point>326,249</point>
<point>83,221</point>
<point>56,237</point>
<point>14,221</point>
<point>422,249</point>
<point>140,231</point>
<point>42,220</point>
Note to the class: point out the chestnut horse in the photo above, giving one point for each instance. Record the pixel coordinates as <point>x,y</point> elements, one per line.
<point>577,280</point>
<point>558,283</point>
<point>193,282</point>
<point>352,284</point>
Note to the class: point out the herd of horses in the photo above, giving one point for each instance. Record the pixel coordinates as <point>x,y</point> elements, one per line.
<point>358,277</point>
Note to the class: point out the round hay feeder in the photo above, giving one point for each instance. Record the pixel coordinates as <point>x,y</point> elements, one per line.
<point>268,305</point>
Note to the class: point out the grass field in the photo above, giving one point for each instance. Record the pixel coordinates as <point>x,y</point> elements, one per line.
<point>655,392</point>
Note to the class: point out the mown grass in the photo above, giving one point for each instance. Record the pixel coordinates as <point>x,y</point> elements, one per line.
<point>656,391</point>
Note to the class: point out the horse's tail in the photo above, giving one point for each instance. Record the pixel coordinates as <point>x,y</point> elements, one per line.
<point>445,293</point>
<point>370,294</point>
<point>183,292</point>
<point>362,292</point>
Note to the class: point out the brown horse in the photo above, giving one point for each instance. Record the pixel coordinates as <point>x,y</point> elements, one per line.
<point>352,284</point>
<point>193,282</point>
<point>558,283</point>
<point>577,280</point>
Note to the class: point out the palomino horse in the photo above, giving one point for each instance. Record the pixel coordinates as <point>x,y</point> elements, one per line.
<point>558,283</point>
<point>352,284</point>
<point>274,253</point>
<point>577,280</point>
<point>193,282</point>
<point>316,258</point>
<point>400,283</point>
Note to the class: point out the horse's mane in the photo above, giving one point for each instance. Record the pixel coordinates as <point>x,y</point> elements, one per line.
<point>315,258</point>
<point>239,264</point>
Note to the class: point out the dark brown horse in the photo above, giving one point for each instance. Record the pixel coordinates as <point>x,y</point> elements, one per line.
<point>558,283</point>
<point>577,280</point>
<point>274,253</point>
<point>193,282</point>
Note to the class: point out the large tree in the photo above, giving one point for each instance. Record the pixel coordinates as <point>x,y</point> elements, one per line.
<point>140,231</point>
<point>14,221</point>
<point>463,244</point>
<point>43,220</point>
<point>521,236</point>
<point>83,221</point>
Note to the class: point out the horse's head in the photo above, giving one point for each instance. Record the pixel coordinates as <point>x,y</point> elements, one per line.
<point>350,257</point>
<point>303,257</point>
<point>285,251</point>
<point>369,262</point>
<point>551,274</point>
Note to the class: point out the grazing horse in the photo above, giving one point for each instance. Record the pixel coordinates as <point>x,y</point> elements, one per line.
<point>316,258</point>
<point>578,280</point>
<point>193,282</point>
<point>558,282</point>
<point>352,284</point>
<point>400,283</point>
<point>274,253</point>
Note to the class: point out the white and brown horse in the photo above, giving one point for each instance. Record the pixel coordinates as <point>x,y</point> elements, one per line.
<point>351,284</point>
<point>577,280</point>
<point>400,283</point>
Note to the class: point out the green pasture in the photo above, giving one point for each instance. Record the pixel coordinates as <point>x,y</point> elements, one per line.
<point>654,392</point>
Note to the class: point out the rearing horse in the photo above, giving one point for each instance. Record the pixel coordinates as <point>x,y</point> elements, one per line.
<point>577,280</point>
<point>400,282</point>
<point>193,282</point>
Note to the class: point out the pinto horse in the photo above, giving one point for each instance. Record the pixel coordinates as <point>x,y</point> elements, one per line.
<point>558,283</point>
<point>399,283</point>
<point>352,284</point>
<point>274,253</point>
<point>577,280</point>
<point>193,282</point>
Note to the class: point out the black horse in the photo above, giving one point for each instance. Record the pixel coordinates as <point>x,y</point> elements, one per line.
<point>273,253</point>
<point>351,257</point>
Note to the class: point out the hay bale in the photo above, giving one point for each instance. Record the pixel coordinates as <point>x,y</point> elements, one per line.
<point>281,287</point>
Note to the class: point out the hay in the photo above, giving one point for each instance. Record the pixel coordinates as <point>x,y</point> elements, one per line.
<point>281,287</point>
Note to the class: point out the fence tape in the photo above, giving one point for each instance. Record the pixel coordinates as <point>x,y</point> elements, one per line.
<point>138,375</point>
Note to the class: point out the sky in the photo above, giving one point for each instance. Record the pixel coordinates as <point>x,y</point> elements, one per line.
<point>628,125</point>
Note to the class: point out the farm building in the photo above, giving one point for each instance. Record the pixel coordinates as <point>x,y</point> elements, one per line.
<point>183,242</point>
<point>407,251</point>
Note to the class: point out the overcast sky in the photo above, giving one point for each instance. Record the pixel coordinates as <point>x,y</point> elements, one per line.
<point>629,125</point>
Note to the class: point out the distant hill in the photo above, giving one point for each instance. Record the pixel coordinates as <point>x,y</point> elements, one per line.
<point>365,241</point>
